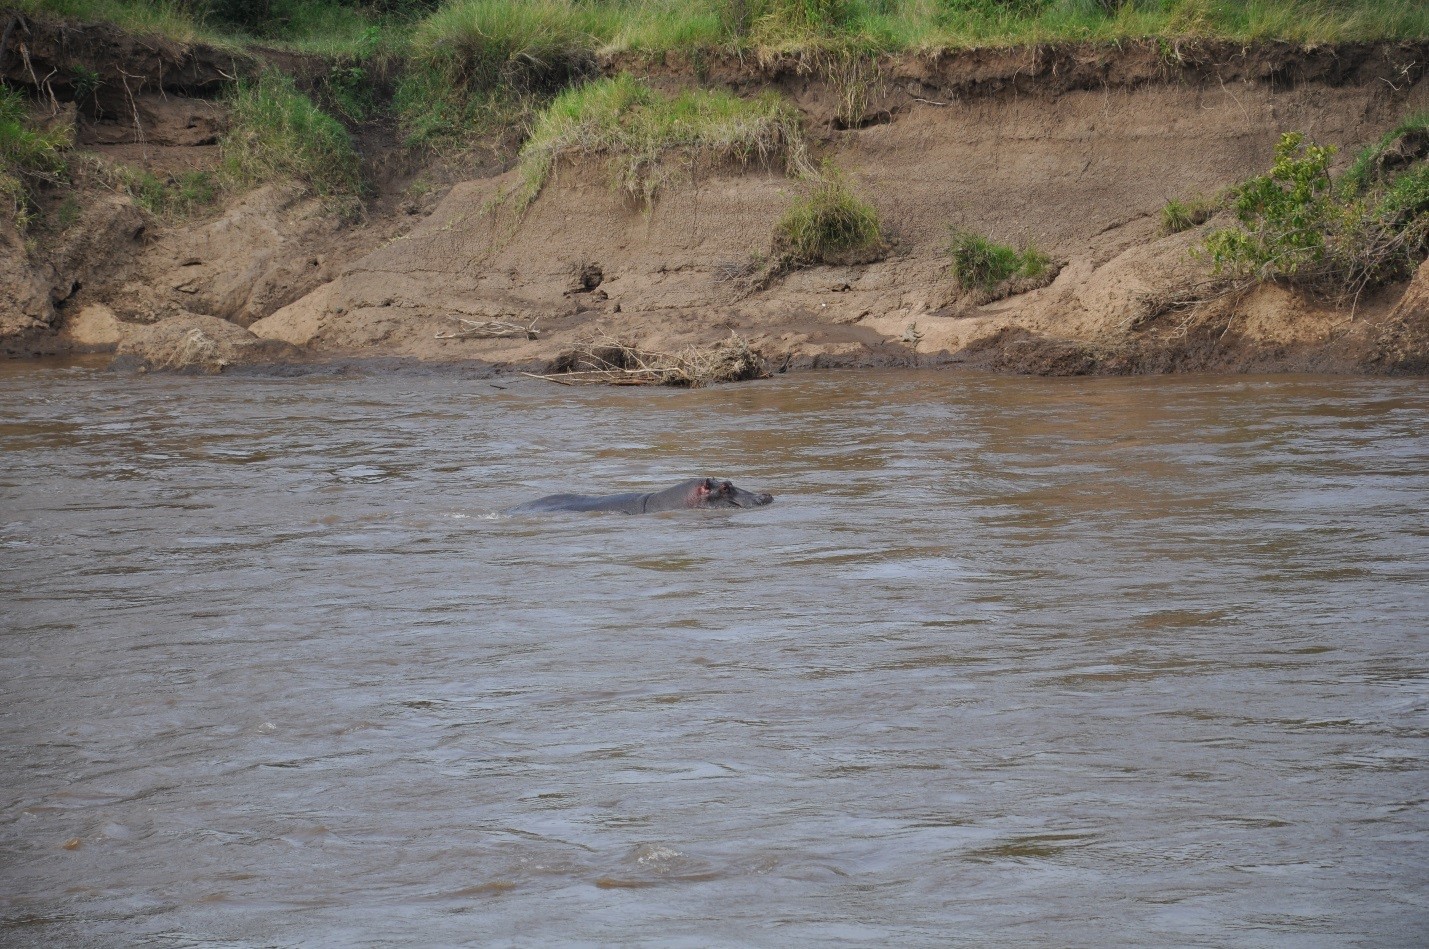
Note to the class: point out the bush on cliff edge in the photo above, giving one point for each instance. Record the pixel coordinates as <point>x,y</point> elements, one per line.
<point>1297,225</point>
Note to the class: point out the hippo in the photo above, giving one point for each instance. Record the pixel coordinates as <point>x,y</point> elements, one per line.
<point>697,492</point>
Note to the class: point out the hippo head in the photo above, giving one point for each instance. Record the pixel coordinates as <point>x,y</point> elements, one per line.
<point>711,492</point>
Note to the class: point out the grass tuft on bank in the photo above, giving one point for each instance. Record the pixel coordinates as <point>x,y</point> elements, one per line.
<point>831,225</point>
<point>1178,215</point>
<point>645,135</point>
<point>278,132</point>
<point>981,264</point>
<point>178,195</point>
<point>535,46</point>
<point>30,154</point>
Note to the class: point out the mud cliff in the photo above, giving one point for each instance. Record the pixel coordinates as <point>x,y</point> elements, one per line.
<point>1076,149</point>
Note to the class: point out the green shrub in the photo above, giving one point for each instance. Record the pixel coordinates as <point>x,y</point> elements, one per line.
<point>1406,201</point>
<point>1295,224</point>
<point>639,130</point>
<point>831,225</point>
<point>981,264</point>
<point>1285,215</point>
<point>278,131</point>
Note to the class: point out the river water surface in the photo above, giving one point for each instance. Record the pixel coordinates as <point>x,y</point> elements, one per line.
<point>1007,662</point>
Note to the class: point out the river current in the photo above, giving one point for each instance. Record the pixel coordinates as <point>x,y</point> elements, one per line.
<point>1007,662</point>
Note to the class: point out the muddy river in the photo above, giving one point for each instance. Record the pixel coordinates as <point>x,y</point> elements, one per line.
<point>1007,662</point>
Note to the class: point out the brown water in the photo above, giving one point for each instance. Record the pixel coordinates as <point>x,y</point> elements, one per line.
<point>1007,662</point>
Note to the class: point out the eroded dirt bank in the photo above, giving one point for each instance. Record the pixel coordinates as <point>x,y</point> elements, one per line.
<point>1075,149</point>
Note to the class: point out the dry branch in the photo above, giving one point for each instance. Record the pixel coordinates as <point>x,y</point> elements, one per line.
<point>491,329</point>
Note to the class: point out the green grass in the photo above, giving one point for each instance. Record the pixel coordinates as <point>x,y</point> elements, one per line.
<point>475,66</point>
<point>278,132</point>
<point>1178,216</point>
<point>1372,162</point>
<point>173,196</point>
<point>29,155</point>
<point>831,225</point>
<point>171,18</point>
<point>641,133</point>
<point>471,67</point>
<point>482,34</point>
<point>320,27</point>
<point>537,45</point>
<point>982,264</point>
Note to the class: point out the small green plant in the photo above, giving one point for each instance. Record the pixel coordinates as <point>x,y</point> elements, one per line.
<point>981,264</point>
<point>1178,216</point>
<point>1296,224</point>
<point>349,91</point>
<point>86,82</point>
<point>830,225</point>
<point>67,214</point>
<point>278,131</point>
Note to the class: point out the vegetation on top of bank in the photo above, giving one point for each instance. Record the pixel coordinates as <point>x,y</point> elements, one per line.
<point>436,29</point>
<point>465,68</point>
<point>334,28</point>
<point>640,131</point>
<point>1297,223</point>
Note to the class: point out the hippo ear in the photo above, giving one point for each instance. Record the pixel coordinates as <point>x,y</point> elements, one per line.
<point>708,486</point>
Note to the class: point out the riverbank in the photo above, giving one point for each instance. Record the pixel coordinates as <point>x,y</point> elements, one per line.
<point>1069,151</point>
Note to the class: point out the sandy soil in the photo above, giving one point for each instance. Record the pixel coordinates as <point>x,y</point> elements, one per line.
<point>1076,149</point>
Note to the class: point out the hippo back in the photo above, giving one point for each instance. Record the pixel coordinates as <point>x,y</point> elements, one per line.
<point>632,503</point>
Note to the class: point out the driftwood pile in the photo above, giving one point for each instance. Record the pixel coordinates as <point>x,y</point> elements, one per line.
<point>608,361</point>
